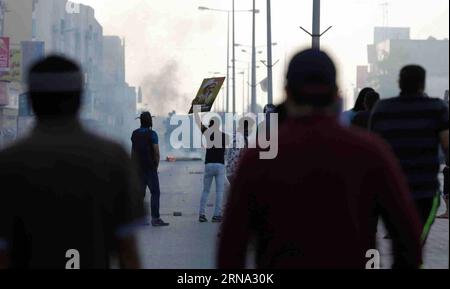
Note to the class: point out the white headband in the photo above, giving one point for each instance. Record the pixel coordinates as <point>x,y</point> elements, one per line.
<point>56,82</point>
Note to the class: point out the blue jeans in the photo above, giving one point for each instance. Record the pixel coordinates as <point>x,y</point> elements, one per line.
<point>217,172</point>
<point>150,179</point>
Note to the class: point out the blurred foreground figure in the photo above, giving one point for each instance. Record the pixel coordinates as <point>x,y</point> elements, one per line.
<point>70,198</point>
<point>313,206</point>
<point>415,125</point>
<point>145,153</point>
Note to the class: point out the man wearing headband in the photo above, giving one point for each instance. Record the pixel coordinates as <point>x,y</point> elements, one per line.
<point>72,199</point>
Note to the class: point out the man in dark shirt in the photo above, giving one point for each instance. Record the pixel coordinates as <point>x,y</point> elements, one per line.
<point>215,170</point>
<point>145,153</point>
<point>415,125</point>
<point>320,164</point>
<point>362,118</point>
<point>65,192</point>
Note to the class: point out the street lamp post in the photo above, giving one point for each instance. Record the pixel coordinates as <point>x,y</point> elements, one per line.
<point>227,109</point>
<point>253,99</point>
<point>316,25</point>
<point>248,69</point>
<point>316,35</point>
<point>243,90</point>
<point>269,55</point>
<point>234,59</point>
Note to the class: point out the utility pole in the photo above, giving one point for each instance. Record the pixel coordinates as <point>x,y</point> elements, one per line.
<point>316,25</point>
<point>228,64</point>
<point>234,61</point>
<point>316,35</point>
<point>269,55</point>
<point>253,82</point>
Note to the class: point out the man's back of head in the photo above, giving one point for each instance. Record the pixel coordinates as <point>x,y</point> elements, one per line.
<point>146,120</point>
<point>412,79</point>
<point>55,87</point>
<point>311,80</point>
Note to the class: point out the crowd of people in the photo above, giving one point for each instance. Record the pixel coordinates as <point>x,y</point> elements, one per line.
<point>316,205</point>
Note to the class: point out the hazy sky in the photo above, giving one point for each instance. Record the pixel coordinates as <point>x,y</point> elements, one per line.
<point>172,41</point>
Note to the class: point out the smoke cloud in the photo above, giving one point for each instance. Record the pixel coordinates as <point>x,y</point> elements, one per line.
<point>161,91</point>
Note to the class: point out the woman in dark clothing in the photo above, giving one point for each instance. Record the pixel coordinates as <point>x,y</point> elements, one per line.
<point>347,116</point>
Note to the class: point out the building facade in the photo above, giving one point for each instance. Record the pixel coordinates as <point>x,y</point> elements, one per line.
<point>393,48</point>
<point>72,30</point>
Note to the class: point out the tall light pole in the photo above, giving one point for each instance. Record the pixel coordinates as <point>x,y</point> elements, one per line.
<point>316,25</point>
<point>234,59</point>
<point>243,90</point>
<point>227,109</point>
<point>316,35</point>
<point>253,101</point>
<point>254,85</point>
<point>269,55</point>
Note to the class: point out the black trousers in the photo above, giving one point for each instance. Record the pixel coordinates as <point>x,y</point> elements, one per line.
<point>150,179</point>
<point>427,209</point>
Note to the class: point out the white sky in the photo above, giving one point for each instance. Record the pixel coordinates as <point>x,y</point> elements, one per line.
<point>161,32</point>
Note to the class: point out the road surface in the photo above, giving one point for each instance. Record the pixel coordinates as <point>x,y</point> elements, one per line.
<point>187,244</point>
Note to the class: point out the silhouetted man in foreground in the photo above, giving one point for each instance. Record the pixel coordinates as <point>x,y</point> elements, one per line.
<point>415,126</point>
<point>321,166</point>
<point>69,198</point>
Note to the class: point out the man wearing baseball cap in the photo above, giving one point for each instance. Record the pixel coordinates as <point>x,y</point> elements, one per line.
<point>324,167</point>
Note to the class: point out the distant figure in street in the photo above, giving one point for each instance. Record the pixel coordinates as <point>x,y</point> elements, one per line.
<point>69,198</point>
<point>145,153</point>
<point>320,166</point>
<point>240,143</point>
<point>264,126</point>
<point>214,168</point>
<point>415,126</point>
<point>362,118</point>
<point>445,193</point>
<point>346,117</point>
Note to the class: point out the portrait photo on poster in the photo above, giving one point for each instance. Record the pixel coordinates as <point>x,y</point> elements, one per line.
<point>207,93</point>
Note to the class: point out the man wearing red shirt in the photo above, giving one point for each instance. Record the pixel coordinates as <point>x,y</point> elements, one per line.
<point>321,166</point>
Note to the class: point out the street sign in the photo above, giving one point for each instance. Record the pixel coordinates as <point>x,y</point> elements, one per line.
<point>4,54</point>
<point>14,74</point>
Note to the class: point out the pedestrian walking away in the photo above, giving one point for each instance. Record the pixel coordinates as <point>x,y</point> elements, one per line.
<point>416,127</point>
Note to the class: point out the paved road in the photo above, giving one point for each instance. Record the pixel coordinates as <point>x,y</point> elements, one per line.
<point>187,244</point>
